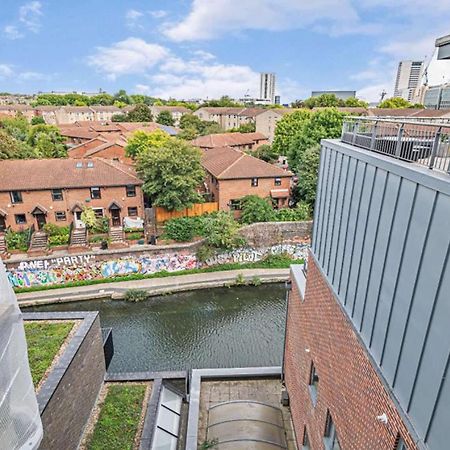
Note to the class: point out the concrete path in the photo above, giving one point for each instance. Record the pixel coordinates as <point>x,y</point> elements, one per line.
<point>154,286</point>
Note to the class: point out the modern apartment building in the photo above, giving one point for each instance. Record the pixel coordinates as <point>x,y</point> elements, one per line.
<point>367,348</point>
<point>437,97</point>
<point>267,86</point>
<point>408,78</point>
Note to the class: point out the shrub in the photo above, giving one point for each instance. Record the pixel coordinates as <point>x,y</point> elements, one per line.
<point>135,295</point>
<point>182,229</point>
<point>256,209</point>
<point>300,212</point>
<point>204,252</point>
<point>133,236</point>
<point>54,230</point>
<point>58,239</point>
<point>101,225</point>
<point>277,260</point>
<point>133,230</point>
<point>221,231</point>
<point>17,240</point>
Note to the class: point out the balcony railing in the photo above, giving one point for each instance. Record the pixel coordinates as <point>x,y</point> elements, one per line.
<point>423,142</point>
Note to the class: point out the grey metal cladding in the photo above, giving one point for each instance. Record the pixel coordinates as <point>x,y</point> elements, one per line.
<point>382,239</point>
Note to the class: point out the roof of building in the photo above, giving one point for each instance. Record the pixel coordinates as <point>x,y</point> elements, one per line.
<point>78,132</point>
<point>40,174</point>
<point>181,109</point>
<point>77,109</point>
<point>257,136</point>
<point>105,108</point>
<point>223,140</point>
<point>226,163</point>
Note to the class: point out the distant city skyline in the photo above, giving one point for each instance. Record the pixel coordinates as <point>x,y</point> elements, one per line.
<point>208,48</point>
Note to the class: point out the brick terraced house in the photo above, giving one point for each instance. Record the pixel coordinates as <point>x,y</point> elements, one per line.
<point>39,191</point>
<point>367,347</point>
<point>232,174</point>
<point>239,141</point>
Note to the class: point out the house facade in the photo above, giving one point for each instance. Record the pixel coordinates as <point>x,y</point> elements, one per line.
<point>177,112</point>
<point>232,175</point>
<point>367,338</point>
<point>229,118</point>
<point>36,192</point>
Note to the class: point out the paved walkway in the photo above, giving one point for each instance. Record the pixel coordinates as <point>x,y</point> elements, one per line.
<point>154,286</point>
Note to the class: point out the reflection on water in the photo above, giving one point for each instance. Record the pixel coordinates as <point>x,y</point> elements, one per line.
<point>222,327</point>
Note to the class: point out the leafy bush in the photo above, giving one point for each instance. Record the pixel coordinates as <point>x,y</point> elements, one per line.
<point>204,252</point>
<point>133,230</point>
<point>182,229</point>
<point>300,212</point>
<point>256,209</point>
<point>101,225</point>
<point>135,295</point>
<point>277,260</point>
<point>17,240</point>
<point>88,217</point>
<point>221,231</point>
<point>58,239</point>
<point>133,236</point>
<point>54,230</point>
<point>96,239</point>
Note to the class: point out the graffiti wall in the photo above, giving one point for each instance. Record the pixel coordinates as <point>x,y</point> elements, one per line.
<point>87,267</point>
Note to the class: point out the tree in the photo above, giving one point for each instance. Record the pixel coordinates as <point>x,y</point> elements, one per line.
<point>10,148</point>
<point>188,134</point>
<point>322,124</point>
<point>122,96</point>
<point>256,209</point>
<point>307,176</point>
<point>353,102</point>
<point>395,103</point>
<point>286,128</point>
<point>119,117</point>
<point>142,140</point>
<point>221,231</point>
<point>103,99</point>
<point>47,141</point>
<point>223,101</point>
<point>171,174</point>
<point>201,127</point>
<point>165,118</point>
<point>140,113</point>
<point>244,128</point>
<point>37,120</point>
<point>265,152</point>
<point>88,217</point>
<point>190,121</point>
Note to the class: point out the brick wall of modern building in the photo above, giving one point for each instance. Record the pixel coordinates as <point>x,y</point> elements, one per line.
<point>349,387</point>
<point>236,189</point>
<point>43,198</point>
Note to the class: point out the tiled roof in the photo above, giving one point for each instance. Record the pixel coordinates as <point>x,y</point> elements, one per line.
<point>226,163</point>
<point>77,109</point>
<point>106,108</point>
<point>37,174</point>
<point>256,136</point>
<point>223,140</point>
<point>78,132</point>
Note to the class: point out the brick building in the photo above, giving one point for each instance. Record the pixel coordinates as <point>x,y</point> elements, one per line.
<point>238,141</point>
<point>39,191</point>
<point>232,174</point>
<point>367,338</point>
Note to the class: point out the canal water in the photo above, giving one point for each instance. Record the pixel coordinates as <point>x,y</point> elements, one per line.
<point>221,327</point>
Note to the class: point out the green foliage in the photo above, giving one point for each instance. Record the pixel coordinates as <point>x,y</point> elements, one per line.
<point>256,281</point>
<point>37,120</point>
<point>286,128</point>
<point>279,260</point>
<point>297,214</point>
<point>143,140</point>
<point>134,236</point>
<point>119,118</point>
<point>240,280</point>
<point>122,96</point>
<point>88,217</point>
<point>353,102</point>
<point>193,127</point>
<point>171,174</point>
<point>140,113</point>
<point>327,101</point>
<point>165,118</point>
<point>44,341</point>
<point>322,124</point>
<point>209,444</point>
<point>17,240</point>
<point>204,252</point>
<point>59,239</point>
<point>103,99</point>
<point>54,230</point>
<point>47,141</point>
<point>256,209</point>
<point>101,225</point>
<point>395,102</point>
<point>221,231</point>
<point>244,128</point>
<point>135,295</point>
<point>225,100</point>
<point>307,175</point>
<point>119,418</point>
<point>265,152</point>
<point>181,229</point>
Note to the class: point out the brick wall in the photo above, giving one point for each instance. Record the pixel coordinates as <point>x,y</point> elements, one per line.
<point>349,386</point>
<point>31,199</point>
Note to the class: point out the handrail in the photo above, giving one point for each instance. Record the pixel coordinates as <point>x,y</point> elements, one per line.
<point>30,235</point>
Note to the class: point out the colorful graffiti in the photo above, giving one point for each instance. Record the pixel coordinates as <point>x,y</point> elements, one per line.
<point>85,267</point>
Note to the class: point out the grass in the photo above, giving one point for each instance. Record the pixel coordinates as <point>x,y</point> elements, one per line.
<point>44,340</point>
<point>119,418</point>
<point>271,262</point>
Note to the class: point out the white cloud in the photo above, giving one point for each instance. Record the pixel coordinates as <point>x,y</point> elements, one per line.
<point>12,32</point>
<point>212,18</point>
<point>30,14</point>
<point>6,71</point>
<point>34,76</point>
<point>142,88</point>
<point>130,56</point>
<point>132,17</point>
<point>158,14</point>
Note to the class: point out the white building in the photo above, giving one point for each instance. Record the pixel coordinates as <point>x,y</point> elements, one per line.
<point>409,74</point>
<point>267,87</point>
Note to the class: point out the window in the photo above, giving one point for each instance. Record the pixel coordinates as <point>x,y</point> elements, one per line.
<point>60,216</point>
<point>254,182</point>
<point>277,181</point>
<point>79,165</point>
<point>57,195</point>
<point>330,439</point>
<point>20,219</point>
<point>95,193</point>
<point>132,211</point>
<point>235,205</point>
<point>98,212</point>
<point>305,444</point>
<point>131,191</point>
<point>313,384</point>
<point>90,164</point>
<point>16,196</point>
<point>400,444</point>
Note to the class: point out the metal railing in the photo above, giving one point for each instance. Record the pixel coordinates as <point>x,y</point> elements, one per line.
<point>423,142</point>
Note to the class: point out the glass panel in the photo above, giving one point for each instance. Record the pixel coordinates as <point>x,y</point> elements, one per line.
<point>168,420</point>
<point>164,441</point>
<point>171,400</point>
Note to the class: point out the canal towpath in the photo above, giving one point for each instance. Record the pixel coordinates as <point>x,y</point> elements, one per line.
<point>154,286</point>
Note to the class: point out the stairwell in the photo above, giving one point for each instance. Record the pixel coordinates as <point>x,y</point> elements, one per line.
<point>39,243</point>
<point>117,237</point>
<point>78,238</point>
<point>3,249</point>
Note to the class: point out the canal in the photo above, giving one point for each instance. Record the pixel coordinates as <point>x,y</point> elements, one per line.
<point>221,327</point>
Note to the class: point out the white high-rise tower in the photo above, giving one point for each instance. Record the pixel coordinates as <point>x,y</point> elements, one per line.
<point>267,87</point>
<point>408,78</point>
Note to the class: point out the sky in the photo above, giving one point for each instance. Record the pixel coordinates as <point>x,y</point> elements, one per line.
<point>209,48</point>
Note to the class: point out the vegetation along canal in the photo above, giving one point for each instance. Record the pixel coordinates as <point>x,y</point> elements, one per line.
<point>223,327</point>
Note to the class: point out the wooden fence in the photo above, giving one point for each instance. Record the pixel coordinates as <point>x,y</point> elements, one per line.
<point>162,214</point>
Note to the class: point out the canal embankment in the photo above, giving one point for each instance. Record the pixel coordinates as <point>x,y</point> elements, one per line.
<point>154,286</point>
